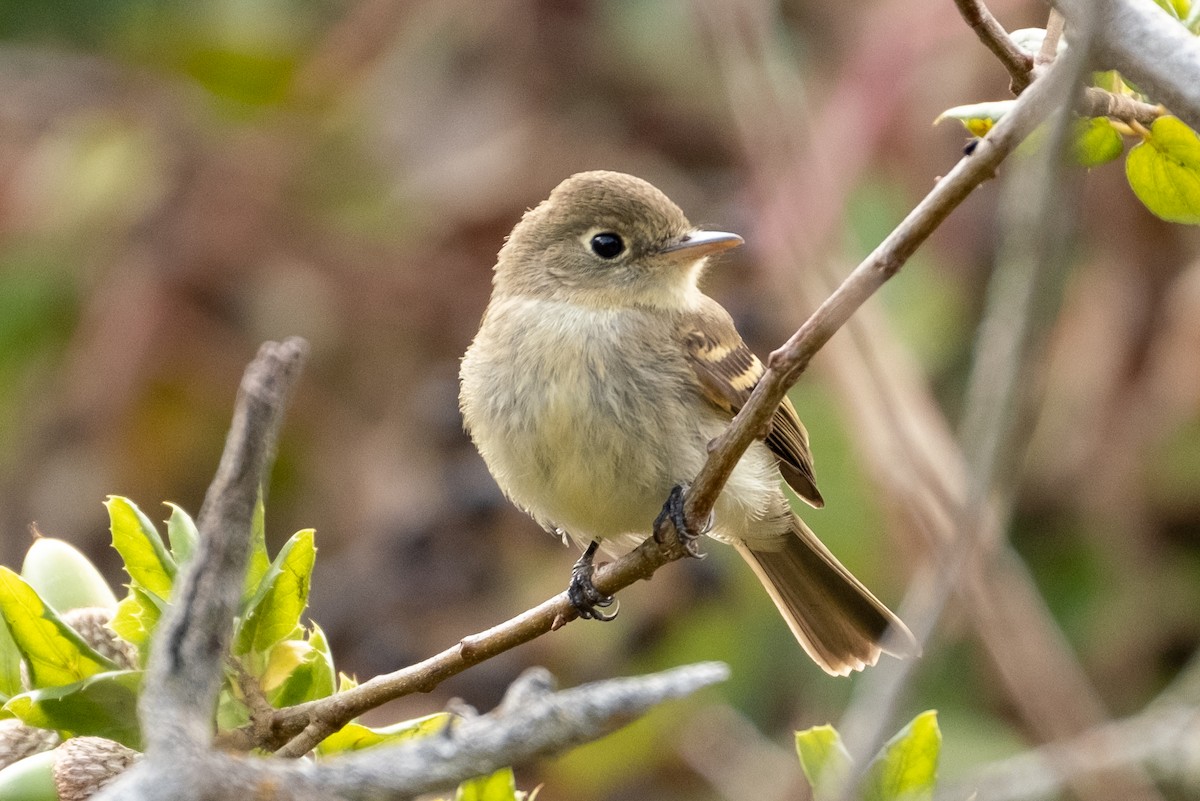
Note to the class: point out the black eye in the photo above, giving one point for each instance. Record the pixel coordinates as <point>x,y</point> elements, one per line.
<point>607,245</point>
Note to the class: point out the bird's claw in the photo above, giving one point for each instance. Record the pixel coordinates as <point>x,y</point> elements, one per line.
<point>582,593</point>
<point>673,510</point>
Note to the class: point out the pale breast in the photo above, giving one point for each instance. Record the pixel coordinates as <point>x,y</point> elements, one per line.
<point>567,403</point>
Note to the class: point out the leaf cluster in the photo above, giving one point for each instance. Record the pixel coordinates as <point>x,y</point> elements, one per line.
<point>52,677</point>
<point>1163,164</point>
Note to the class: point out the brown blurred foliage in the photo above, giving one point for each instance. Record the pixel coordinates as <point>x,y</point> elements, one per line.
<point>179,183</point>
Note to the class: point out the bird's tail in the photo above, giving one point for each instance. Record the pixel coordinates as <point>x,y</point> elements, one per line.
<point>837,620</point>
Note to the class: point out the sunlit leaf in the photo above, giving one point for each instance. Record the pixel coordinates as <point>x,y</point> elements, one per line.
<point>53,651</point>
<point>10,665</point>
<point>63,577</point>
<point>137,540</point>
<point>499,786</point>
<point>1095,141</point>
<point>137,616</point>
<point>356,737</point>
<point>297,671</point>
<point>181,531</point>
<point>1164,171</point>
<point>825,761</point>
<point>102,705</point>
<point>260,561</point>
<point>906,767</point>
<point>281,598</point>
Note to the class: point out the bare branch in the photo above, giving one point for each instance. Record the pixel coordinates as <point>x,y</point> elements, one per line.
<point>532,721</point>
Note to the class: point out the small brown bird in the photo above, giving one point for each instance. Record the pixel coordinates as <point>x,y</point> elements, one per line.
<point>600,374</point>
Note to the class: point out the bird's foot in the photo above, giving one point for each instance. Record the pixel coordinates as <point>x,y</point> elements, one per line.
<point>587,600</point>
<point>673,510</point>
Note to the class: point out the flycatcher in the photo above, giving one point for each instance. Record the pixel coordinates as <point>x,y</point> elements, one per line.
<point>600,374</point>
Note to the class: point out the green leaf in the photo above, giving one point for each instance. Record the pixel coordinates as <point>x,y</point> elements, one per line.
<point>1178,9</point>
<point>977,118</point>
<point>63,577</point>
<point>500,786</point>
<point>54,652</point>
<point>10,665</point>
<point>1164,171</point>
<point>136,617</point>
<point>1095,141</point>
<point>906,767</point>
<point>356,737</point>
<point>103,705</point>
<point>281,598</point>
<point>260,560</point>
<point>825,761</point>
<point>137,540</point>
<point>30,779</point>
<point>297,672</point>
<point>181,531</point>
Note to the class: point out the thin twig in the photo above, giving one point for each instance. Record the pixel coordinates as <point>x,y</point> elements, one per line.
<point>1016,61</point>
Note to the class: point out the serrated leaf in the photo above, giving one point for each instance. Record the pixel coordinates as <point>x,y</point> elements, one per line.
<point>102,705</point>
<point>1095,141</point>
<point>10,665</point>
<point>825,761</point>
<point>137,540</point>
<point>260,561</point>
<point>499,786</point>
<point>136,618</point>
<point>182,533</point>
<point>1164,171</point>
<point>356,737</point>
<point>977,118</point>
<point>281,598</point>
<point>906,767</point>
<point>53,651</point>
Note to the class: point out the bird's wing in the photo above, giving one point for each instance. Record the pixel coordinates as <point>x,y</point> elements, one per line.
<point>727,372</point>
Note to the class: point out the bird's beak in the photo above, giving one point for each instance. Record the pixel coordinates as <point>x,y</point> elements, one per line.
<point>699,244</point>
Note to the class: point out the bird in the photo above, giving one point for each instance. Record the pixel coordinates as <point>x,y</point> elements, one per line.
<point>598,377</point>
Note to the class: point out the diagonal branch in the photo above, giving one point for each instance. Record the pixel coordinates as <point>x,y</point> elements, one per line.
<point>309,723</point>
<point>1018,63</point>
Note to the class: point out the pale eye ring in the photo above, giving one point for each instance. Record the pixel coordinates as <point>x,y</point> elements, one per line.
<point>607,245</point>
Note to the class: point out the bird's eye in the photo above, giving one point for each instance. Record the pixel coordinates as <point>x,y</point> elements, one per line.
<point>607,245</point>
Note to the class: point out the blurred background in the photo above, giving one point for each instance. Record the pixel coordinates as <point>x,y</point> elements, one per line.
<point>181,181</point>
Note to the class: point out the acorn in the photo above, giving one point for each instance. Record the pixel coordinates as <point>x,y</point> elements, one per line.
<point>18,740</point>
<point>86,764</point>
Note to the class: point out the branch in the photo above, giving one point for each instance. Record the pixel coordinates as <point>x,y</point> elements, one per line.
<point>311,722</point>
<point>787,363</point>
<point>184,672</point>
<point>532,721</point>
<point>1145,45</point>
<point>1018,63</point>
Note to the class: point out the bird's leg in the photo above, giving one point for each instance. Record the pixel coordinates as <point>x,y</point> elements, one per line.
<point>584,596</point>
<point>673,510</point>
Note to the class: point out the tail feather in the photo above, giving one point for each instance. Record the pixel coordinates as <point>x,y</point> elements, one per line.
<point>838,621</point>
